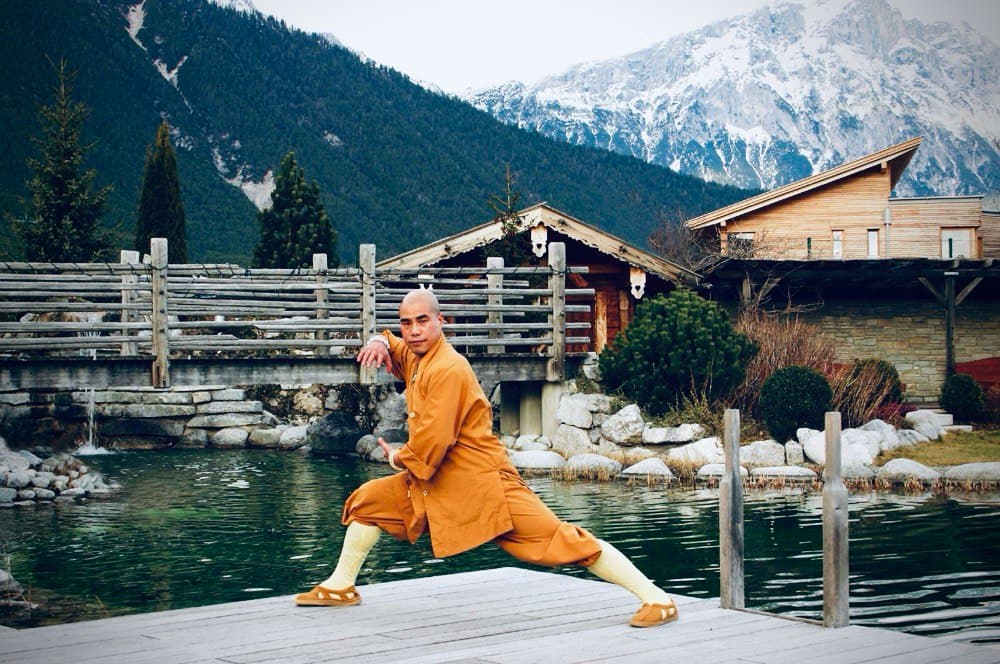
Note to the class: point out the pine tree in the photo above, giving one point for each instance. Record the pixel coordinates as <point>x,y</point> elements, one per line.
<point>296,225</point>
<point>513,246</point>
<point>161,212</point>
<point>62,222</point>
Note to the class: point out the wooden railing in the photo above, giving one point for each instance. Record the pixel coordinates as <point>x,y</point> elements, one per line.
<point>162,313</point>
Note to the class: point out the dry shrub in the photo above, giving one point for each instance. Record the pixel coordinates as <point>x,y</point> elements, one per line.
<point>991,400</point>
<point>862,392</point>
<point>782,341</point>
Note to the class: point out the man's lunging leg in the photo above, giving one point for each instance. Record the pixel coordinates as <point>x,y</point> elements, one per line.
<point>657,607</point>
<point>338,589</point>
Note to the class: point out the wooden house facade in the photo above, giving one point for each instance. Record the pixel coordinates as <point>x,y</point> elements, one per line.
<point>908,280</point>
<point>846,213</point>
<point>619,274</point>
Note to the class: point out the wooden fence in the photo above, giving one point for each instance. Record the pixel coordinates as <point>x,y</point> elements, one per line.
<point>165,313</point>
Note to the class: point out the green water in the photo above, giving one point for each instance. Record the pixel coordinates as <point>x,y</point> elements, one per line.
<point>191,528</point>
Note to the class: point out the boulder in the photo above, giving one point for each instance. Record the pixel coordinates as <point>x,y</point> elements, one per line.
<point>901,470</point>
<point>624,427</point>
<point>651,467</point>
<point>267,439</point>
<point>926,422</point>
<point>872,440</point>
<point>682,433</point>
<point>716,470</point>
<point>7,495</point>
<point>700,452</point>
<point>537,460</point>
<point>335,434</point>
<point>574,411</point>
<point>229,438</point>
<point>762,453</point>
<point>293,437</point>
<point>793,453</point>
<point>910,437</point>
<point>531,442</point>
<point>18,479</point>
<point>569,441</point>
<point>974,472</point>
<point>889,439</point>
<point>33,460</point>
<point>593,463</point>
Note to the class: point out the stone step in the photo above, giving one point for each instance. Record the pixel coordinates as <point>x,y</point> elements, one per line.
<point>956,427</point>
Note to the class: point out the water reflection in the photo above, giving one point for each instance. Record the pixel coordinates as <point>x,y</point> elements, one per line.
<point>198,527</point>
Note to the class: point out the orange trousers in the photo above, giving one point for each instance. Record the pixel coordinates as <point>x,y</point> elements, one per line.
<point>538,535</point>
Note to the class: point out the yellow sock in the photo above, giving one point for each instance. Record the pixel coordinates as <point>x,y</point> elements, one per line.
<point>613,566</point>
<point>358,541</point>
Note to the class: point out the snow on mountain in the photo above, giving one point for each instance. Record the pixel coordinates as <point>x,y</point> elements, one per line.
<point>770,97</point>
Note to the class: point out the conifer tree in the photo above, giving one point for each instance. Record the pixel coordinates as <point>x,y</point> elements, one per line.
<point>161,212</point>
<point>296,225</point>
<point>62,221</point>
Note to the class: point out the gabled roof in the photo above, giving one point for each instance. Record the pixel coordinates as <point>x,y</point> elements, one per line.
<point>551,218</point>
<point>896,158</point>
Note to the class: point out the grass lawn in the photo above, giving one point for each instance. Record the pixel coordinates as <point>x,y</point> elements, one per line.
<point>952,449</point>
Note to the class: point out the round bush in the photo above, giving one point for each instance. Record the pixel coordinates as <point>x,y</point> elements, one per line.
<point>963,398</point>
<point>794,397</point>
<point>675,347</point>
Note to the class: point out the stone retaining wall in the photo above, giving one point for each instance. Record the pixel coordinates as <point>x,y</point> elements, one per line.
<point>150,418</point>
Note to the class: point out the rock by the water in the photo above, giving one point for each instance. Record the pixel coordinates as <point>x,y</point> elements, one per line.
<point>649,468</point>
<point>337,433</point>
<point>900,470</point>
<point>537,460</point>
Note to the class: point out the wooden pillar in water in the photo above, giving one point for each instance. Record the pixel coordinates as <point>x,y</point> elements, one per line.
<point>731,595</point>
<point>836,567</point>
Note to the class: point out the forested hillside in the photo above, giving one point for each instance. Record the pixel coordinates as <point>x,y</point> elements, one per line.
<point>397,165</point>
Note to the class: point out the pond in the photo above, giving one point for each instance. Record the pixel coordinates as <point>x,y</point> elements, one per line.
<point>191,528</point>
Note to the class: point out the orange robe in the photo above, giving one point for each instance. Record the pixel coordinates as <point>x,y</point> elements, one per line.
<point>459,483</point>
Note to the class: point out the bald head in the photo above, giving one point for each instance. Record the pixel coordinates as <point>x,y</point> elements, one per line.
<point>424,296</point>
<point>420,320</point>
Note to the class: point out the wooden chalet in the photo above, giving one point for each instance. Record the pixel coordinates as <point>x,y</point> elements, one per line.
<point>846,213</point>
<point>882,277</point>
<point>619,273</point>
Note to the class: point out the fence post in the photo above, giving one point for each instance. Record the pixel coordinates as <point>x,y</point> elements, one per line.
<point>366,262</point>
<point>836,584</point>
<point>161,330</point>
<point>322,300</point>
<point>731,517</point>
<point>494,282</point>
<point>556,367</point>
<point>129,257</point>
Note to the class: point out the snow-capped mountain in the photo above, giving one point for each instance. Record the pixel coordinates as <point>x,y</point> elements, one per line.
<point>778,94</point>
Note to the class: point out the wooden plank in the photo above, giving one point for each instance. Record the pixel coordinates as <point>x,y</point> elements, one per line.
<point>484,616</point>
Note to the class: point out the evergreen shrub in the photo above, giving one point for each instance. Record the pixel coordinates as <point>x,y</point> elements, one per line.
<point>962,396</point>
<point>677,347</point>
<point>794,397</point>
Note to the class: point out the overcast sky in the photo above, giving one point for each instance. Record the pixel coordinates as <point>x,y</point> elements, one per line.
<point>462,44</point>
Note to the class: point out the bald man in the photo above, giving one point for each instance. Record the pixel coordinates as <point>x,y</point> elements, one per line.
<point>455,480</point>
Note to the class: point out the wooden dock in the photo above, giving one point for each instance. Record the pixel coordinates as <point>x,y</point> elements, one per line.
<point>502,615</point>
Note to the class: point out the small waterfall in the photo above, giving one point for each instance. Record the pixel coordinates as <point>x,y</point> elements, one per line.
<point>89,448</point>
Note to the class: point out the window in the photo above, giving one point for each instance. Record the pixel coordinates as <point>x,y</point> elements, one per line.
<point>873,243</point>
<point>739,245</point>
<point>956,243</point>
<point>838,244</point>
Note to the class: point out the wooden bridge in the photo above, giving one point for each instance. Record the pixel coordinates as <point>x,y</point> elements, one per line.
<point>134,323</point>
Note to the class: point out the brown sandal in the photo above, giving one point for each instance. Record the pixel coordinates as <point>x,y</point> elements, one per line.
<point>652,615</point>
<point>320,596</point>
